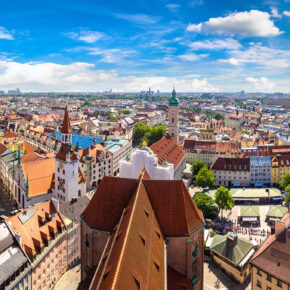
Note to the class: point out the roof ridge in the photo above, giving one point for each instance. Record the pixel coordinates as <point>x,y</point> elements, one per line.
<point>126,235</point>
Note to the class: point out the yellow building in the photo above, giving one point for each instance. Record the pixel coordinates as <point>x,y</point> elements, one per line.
<point>280,167</point>
<point>271,263</point>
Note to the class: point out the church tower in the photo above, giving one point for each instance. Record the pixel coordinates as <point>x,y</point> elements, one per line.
<point>173,116</point>
<point>66,165</point>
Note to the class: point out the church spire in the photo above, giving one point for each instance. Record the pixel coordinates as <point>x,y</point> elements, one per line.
<point>66,128</point>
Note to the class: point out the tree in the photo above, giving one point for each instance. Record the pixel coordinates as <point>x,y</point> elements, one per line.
<point>204,178</point>
<point>223,199</point>
<point>196,166</point>
<point>205,203</point>
<point>285,182</point>
<point>155,134</point>
<point>113,118</point>
<point>139,133</point>
<point>124,112</point>
<point>218,117</point>
<point>287,196</point>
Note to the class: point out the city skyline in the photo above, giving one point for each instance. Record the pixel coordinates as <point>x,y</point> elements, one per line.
<point>200,46</point>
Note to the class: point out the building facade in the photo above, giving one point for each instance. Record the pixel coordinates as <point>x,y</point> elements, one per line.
<point>231,171</point>
<point>271,263</point>
<point>280,167</point>
<point>42,234</point>
<point>260,171</point>
<point>124,248</point>
<point>144,158</point>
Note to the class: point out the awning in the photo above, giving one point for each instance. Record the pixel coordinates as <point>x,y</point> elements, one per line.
<point>256,199</point>
<point>236,184</point>
<point>242,198</point>
<point>250,219</point>
<point>258,184</point>
<point>276,197</point>
<point>273,219</point>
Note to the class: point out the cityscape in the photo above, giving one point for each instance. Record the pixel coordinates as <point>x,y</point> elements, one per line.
<point>145,145</point>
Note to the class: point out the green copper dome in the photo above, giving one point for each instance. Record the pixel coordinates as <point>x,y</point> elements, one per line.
<point>173,101</point>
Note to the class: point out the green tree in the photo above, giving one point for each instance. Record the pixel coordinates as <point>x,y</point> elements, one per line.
<point>139,133</point>
<point>218,116</point>
<point>285,182</point>
<point>113,118</point>
<point>287,196</point>
<point>223,199</point>
<point>205,203</point>
<point>155,134</point>
<point>204,178</point>
<point>196,166</point>
<point>209,114</point>
<point>124,112</point>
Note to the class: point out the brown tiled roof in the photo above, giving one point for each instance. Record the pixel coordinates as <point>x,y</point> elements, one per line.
<point>3,148</point>
<point>283,160</point>
<point>175,210</point>
<point>32,232</point>
<point>167,149</point>
<point>95,152</point>
<point>231,164</point>
<point>212,146</point>
<point>66,128</point>
<point>40,173</point>
<point>273,256</point>
<point>135,252</point>
<point>63,150</point>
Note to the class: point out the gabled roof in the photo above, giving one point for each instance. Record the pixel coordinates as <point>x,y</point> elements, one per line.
<point>167,149</point>
<point>277,211</point>
<point>249,210</point>
<point>33,233</point>
<point>273,256</point>
<point>231,164</point>
<point>66,128</point>
<point>173,206</point>
<point>234,251</point>
<point>40,174</point>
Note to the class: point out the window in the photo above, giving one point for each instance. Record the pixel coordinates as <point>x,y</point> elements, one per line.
<point>268,288</point>
<point>143,240</point>
<point>259,284</point>
<point>137,282</point>
<point>279,283</point>
<point>146,212</point>
<point>269,278</point>
<point>259,272</point>
<point>157,266</point>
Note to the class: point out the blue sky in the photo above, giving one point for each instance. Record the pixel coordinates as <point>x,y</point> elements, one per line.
<point>199,45</point>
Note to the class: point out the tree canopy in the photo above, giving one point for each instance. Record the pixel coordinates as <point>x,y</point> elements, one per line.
<point>223,199</point>
<point>149,135</point>
<point>205,203</point>
<point>204,178</point>
<point>196,166</point>
<point>139,133</point>
<point>285,182</point>
<point>287,196</point>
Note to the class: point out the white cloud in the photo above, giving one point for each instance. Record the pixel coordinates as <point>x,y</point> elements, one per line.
<point>80,77</point>
<point>243,24</point>
<point>232,61</point>
<point>173,7</point>
<point>5,34</point>
<point>286,13</point>
<point>216,44</point>
<point>86,36</point>
<point>260,55</point>
<point>141,19</point>
<point>261,84</point>
<point>191,56</point>
<point>114,55</point>
<point>275,13</point>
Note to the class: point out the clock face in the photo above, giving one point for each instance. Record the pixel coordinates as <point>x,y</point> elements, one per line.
<point>60,165</point>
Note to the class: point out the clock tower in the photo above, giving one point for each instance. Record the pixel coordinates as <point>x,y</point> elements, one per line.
<point>173,117</point>
<point>66,165</point>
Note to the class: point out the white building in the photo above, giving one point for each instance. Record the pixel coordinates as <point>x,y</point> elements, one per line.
<point>145,158</point>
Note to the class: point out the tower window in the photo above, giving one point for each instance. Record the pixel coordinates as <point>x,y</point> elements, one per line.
<point>172,120</point>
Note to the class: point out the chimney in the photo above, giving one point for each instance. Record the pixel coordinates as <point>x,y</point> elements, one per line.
<point>55,202</point>
<point>18,238</point>
<point>279,228</point>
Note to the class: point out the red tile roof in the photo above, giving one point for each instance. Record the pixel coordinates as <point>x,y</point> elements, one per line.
<point>167,149</point>
<point>231,164</point>
<point>273,256</point>
<point>174,208</point>
<point>66,128</point>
